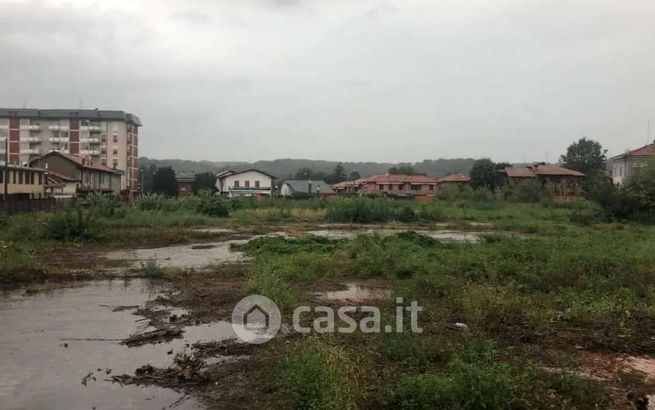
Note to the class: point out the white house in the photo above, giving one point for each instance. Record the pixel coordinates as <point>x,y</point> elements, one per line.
<point>249,182</point>
<point>624,166</point>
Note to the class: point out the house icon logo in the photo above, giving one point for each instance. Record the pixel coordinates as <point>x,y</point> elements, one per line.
<point>256,319</point>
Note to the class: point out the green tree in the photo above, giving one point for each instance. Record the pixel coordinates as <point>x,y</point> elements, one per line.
<point>205,181</point>
<point>163,182</point>
<point>339,173</point>
<point>402,169</point>
<point>586,156</point>
<point>354,175</point>
<point>308,173</point>
<point>483,174</point>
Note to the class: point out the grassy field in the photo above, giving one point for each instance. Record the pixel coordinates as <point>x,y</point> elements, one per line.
<point>509,322</point>
<point>529,306</point>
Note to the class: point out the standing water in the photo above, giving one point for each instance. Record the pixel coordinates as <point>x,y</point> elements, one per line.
<point>58,349</point>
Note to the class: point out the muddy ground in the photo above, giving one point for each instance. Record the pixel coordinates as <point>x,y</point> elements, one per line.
<point>195,302</point>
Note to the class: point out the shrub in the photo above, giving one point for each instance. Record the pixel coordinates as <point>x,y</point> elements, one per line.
<point>212,206</point>
<point>152,269</point>
<point>70,225</point>
<point>320,376</point>
<point>100,205</point>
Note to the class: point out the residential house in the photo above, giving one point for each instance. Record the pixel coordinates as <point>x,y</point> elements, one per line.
<point>296,188</point>
<point>624,166</point>
<point>60,186</point>
<point>346,187</point>
<point>398,185</point>
<point>248,182</point>
<point>566,183</point>
<point>22,182</point>
<point>90,177</point>
<point>185,184</point>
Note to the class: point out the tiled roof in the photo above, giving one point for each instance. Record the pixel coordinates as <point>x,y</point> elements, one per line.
<point>552,169</point>
<point>520,172</point>
<point>531,171</point>
<point>454,178</point>
<point>400,179</point>
<point>81,162</point>
<point>646,150</point>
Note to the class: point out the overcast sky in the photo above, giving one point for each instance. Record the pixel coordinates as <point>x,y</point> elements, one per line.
<point>342,79</point>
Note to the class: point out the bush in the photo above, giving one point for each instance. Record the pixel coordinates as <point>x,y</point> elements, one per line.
<point>70,225</point>
<point>528,191</point>
<point>476,380</point>
<point>212,206</point>
<point>320,376</point>
<point>100,205</point>
<point>152,269</point>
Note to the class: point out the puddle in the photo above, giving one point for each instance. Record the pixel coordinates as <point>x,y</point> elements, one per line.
<point>355,293</point>
<point>37,370</point>
<point>441,235</point>
<point>183,256</point>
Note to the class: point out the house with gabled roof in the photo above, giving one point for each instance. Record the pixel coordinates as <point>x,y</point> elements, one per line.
<point>623,167</point>
<point>566,183</point>
<point>89,177</point>
<point>305,188</point>
<point>247,182</point>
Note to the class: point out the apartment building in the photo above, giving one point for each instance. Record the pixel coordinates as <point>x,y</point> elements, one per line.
<point>109,138</point>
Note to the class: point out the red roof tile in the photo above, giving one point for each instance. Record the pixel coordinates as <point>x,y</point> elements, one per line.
<point>519,172</point>
<point>552,169</point>
<point>400,179</point>
<point>454,178</point>
<point>646,151</point>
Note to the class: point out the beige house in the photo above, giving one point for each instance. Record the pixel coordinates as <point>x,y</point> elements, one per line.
<point>623,167</point>
<point>22,182</point>
<point>88,176</point>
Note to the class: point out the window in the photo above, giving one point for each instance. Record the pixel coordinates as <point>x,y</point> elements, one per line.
<point>32,178</point>
<point>400,187</point>
<point>20,177</point>
<point>40,178</point>
<point>2,177</point>
<point>247,184</point>
<point>115,151</point>
<point>256,184</point>
<point>115,138</point>
<point>13,173</point>
<point>115,163</point>
<point>236,184</point>
<point>431,187</point>
<point>416,187</point>
<point>390,187</point>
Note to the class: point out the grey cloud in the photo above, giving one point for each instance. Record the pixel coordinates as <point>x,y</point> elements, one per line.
<point>371,80</point>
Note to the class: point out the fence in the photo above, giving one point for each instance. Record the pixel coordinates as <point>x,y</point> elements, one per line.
<point>16,206</point>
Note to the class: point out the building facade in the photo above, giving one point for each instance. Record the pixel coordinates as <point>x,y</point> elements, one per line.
<point>88,176</point>
<point>624,166</point>
<point>22,182</point>
<point>565,183</point>
<point>108,138</point>
<point>249,182</point>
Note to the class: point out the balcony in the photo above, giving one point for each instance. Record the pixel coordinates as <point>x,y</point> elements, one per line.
<point>58,127</point>
<point>90,140</point>
<point>31,127</point>
<point>90,152</point>
<point>30,151</point>
<point>65,151</point>
<point>94,128</point>
<point>58,139</point>
<point>31,139</point>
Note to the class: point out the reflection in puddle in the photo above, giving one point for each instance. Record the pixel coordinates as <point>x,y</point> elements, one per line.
<point>355,293</point>
<point>183,256</point>
<point>52,341</point>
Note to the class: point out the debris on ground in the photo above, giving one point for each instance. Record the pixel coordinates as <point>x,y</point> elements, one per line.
<point>152,337</point>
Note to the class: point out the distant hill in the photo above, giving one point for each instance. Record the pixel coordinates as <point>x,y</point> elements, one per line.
<point>284,168</point>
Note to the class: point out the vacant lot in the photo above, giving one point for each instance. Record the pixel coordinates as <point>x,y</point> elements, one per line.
<point>525,305</point>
